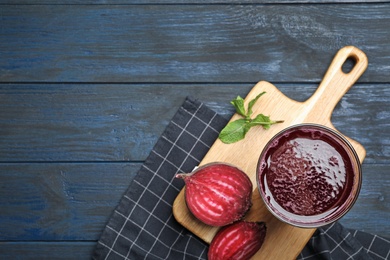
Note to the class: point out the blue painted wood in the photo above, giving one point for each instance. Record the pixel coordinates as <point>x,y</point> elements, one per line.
<point>170,43</point>
<point>152,2</point>
<point>60,201</point>
<point>87,87</point>
<point>46,250</point>
<point>371,211</point>
<point>121,122</point>
<point>72,202</point>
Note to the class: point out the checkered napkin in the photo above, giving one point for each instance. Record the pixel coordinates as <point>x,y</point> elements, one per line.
<point>143,227</point>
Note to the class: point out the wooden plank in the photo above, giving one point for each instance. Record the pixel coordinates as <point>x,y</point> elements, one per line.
<point>373,202</point>
<point>73,202</point>
<point>46,250</point>
<point>56,202</point>
<point>288,240</point>
<point>122,122</point>
<point>151,2</point>
<point>168,43</point>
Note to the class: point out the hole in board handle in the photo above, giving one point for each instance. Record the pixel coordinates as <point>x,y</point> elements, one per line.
<point>349,64</point>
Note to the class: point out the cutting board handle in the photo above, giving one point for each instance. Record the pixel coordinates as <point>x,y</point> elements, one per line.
<point>336,82</point>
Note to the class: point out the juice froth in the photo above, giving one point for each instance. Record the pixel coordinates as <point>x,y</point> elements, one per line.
<point>305,172</point>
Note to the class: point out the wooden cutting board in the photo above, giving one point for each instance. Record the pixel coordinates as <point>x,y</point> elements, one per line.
<point>282,241</point>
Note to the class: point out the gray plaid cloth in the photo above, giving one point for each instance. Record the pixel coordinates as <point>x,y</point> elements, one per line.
<point>143,227</point>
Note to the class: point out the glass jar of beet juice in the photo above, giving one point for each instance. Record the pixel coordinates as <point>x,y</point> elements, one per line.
<point>309,175</point>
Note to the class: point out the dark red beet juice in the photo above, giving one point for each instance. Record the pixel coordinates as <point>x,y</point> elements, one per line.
<point>306,173</point>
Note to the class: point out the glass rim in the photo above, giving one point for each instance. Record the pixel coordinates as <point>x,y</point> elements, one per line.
<point>314,221</point>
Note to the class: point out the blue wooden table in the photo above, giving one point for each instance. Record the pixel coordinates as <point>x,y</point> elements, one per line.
<point>87,87</point>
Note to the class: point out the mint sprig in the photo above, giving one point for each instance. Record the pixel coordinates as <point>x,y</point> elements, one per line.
<point>236,130</point>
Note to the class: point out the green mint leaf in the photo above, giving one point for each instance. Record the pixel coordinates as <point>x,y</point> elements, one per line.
<point>264,121</point>
<point>251,103</point>
<point>238,103</point>
<point>234,131</point>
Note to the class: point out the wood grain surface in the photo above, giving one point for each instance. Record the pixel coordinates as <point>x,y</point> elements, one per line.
<point>193,2</point>
<point>288,240</point>
<point>87,87</point>
<point>169,43</point>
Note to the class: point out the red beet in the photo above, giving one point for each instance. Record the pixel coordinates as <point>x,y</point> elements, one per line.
<point>238,241</point>
<point>218,194</point>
